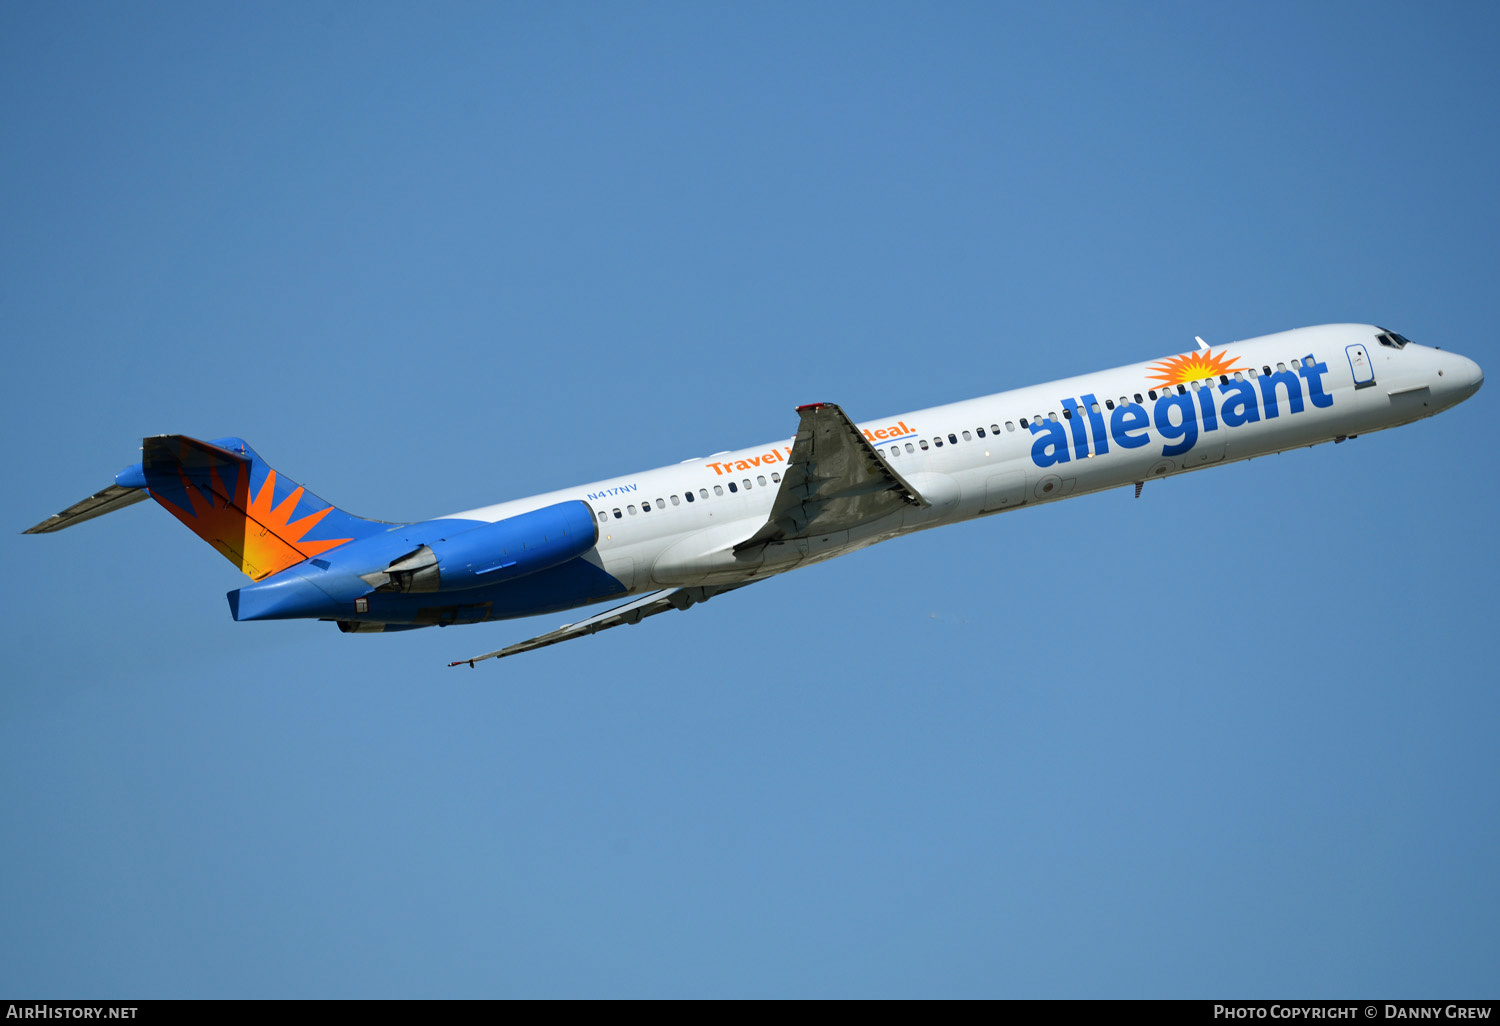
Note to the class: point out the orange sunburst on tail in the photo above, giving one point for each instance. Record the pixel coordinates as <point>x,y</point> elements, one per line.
<point>1179,370</point>
<point>256,534</point>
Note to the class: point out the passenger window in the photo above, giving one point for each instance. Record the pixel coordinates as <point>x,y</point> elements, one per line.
<point>1296,364</point>
<point>1238,376</point>
<point>732,488</point>
<point>952,438</point>
<point>1254,373</point>
<point>938,442</point>
<point>1267,370</point>
<point>1182,390</point>
<point>1223,379</point>
<point>760,479</point>
<point>923,444</point>
<point>977,431</point>
<point>995,428</point>
<point>895,450</point>
<point>1138,397</point>
<point>617,514</point>
<point>688,496</point>
<point>1109,404</point>
<point>1094,407</point>
<point>603,517</point>
<point>1023,423</point>
<point>646,506</point>
<point>719,489</point>
<point>1067,415</point>
<point>702,493</point>
<point>675,501</point>
<point>1010,426</point>
<point>969,438</point>
<point>746,483</point>
<point>630,509</point>
<point>1280,367</point>
<point>1152,393</point>
<point>660,504</point>
<point>908,447</point>
<point>776,478</point>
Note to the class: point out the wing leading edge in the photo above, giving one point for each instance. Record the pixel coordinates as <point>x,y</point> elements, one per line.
<point>630,612</point>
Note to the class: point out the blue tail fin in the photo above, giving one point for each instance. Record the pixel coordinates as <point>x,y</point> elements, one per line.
<point>228,496</point>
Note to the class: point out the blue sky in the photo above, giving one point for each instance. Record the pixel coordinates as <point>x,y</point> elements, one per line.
<point>1235,739</point>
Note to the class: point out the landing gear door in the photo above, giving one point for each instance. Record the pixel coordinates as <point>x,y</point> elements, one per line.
<point>1359,363</point>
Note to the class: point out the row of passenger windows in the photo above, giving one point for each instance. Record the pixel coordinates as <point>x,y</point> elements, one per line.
<point>1025,423</point>
<point>1194,385</point>
<point>937,442</point>
<point>953,437</point>
<point>702,495</point>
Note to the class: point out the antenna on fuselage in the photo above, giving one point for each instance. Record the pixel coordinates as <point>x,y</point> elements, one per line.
<point>1201,344</point>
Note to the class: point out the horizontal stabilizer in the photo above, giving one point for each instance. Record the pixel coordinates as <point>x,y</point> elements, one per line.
<point>630,612</point>
<point>260,521</point>
<point>112,498</point>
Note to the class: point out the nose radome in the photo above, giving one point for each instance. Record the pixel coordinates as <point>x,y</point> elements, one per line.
<point>1474,374</point>
<point>1464,375</point>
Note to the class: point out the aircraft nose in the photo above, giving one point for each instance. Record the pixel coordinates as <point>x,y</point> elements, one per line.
<point>1462,376</point>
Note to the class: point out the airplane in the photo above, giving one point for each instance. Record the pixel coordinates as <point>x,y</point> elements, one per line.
<point>672,537</point>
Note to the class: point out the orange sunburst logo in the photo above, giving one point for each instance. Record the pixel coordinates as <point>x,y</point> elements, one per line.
<point>257,534</point>
<point>1179,370</point>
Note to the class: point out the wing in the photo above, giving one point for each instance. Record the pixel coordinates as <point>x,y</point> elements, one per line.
<point>834,480</point>
<point>112,498</point>
<point>630,612</point>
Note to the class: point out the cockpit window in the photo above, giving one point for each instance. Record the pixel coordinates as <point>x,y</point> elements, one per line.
<point>1393,340</point>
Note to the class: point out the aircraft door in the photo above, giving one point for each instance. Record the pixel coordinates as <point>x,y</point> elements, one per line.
<point>1359,363</point>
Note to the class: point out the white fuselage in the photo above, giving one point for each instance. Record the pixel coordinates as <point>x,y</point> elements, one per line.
<point>1025,447</point>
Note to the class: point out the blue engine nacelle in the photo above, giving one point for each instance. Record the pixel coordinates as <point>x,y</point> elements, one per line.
<point>493,553</point>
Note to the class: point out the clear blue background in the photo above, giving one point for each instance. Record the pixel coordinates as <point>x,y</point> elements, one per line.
<point>1235,739</point>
